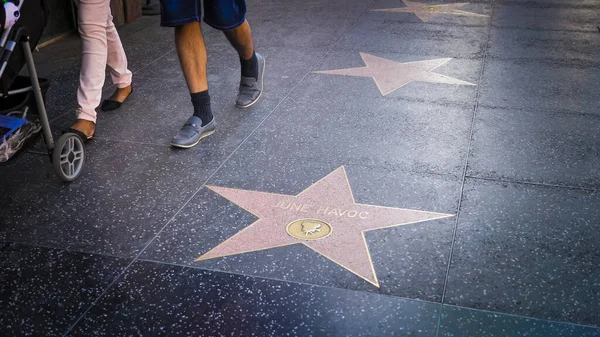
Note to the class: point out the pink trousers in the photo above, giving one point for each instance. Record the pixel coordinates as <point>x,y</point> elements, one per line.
<point>101,47</point>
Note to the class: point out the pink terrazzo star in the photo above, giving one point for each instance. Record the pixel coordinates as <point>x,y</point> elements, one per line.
<point>329,200</point>
<point>390,75</point>
<point>426,12</point>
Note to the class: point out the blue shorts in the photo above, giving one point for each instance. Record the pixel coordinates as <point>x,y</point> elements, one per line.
<point>219,14</point>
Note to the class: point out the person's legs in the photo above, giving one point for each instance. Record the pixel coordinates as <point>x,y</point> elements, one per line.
<point>227,16</point>
<point>241,39</point>
<point>230,17</point>
<point>191,49</point>
<point>117,64</point>
<point>189,41</point>
<point>93,15</point>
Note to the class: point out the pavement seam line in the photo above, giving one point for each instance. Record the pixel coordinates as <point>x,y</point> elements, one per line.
<point>466,166</point>
<point>533,183</point>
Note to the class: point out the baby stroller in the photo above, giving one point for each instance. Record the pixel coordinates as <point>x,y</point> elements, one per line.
<point>22,99</point>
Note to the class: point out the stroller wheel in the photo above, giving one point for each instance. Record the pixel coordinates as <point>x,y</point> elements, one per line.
<point>68,157</point>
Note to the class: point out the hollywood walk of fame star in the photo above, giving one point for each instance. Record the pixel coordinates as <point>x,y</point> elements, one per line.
<point>427,12</point>
<point>390,75</point>
<point>324,217</point>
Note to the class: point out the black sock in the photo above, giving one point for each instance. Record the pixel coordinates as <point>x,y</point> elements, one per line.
<point>201,102</point>
<point>250,67</point>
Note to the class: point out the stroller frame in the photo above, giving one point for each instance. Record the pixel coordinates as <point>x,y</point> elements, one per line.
<point>8,47</point>
<point>68,153</point>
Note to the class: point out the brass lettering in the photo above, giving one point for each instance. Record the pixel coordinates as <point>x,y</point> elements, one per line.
<point>305,208</point>
<point>322,210</point>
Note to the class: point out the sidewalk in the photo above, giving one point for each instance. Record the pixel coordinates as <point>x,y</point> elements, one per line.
<point>411,170</point>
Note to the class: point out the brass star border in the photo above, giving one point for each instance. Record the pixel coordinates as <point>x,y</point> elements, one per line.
<point>324,217</point>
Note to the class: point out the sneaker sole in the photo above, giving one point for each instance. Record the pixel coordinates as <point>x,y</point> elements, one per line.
<point>262,80</point>
<point>196,143</point>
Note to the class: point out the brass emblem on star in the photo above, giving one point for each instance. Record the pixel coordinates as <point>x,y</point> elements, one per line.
<point>309,229</point>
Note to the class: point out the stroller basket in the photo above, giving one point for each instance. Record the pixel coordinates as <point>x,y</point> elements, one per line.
<point>18,112</point>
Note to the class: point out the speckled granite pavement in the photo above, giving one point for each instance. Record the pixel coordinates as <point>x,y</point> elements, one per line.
<point>412,169</point>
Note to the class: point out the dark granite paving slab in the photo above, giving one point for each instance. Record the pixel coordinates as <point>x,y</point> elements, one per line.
<point>555,15</point>
<point>551,48</point>
<point>160,300</point>
<point>409,260</point>
<point>543,87</point>
<point>552,3</point>
<point>458,37</point>
<point>464,322</point>
<point>125,195</point>
<point>541,68</point>
<point>302,24</point>
<point>346,120</point>
<point>527,250</point>
<point>44,291</point>
<point>550,148</point>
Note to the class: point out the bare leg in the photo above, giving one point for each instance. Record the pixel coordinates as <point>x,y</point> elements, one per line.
<point>252,65</point>
<point>192,55</point>
<point>241,39</point>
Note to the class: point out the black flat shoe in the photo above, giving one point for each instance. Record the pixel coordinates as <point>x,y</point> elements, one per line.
<point>110,105</point>
<point>82,135</point>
